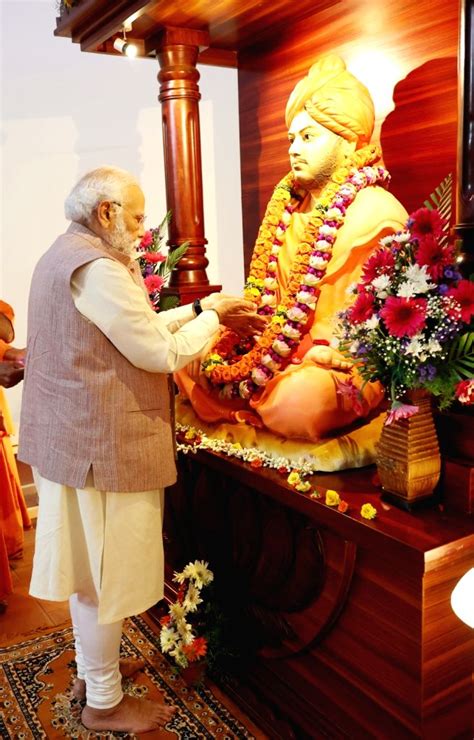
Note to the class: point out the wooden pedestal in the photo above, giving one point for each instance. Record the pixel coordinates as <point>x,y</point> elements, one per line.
<point>350,620</point>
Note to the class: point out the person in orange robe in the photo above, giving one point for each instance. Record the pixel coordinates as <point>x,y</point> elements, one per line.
<point>13,512</point>
<point>330,120</point>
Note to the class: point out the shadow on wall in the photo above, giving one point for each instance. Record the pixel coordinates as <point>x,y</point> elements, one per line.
<point>419,138</point>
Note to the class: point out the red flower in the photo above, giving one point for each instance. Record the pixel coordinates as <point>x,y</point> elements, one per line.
<point>380,263</point>
<point>146,240</point>
<point>434,256</point>
<point>343,506</point>
<point>164,621</point>
<point>154,283</point>
<point>425,223</point>
<point>196,649</point>
<point>404,317</point>
<point>257,463</point>
<point>465,392</point>
<point>154,257</point>
<point>362,309</point>
<point>463,293</point>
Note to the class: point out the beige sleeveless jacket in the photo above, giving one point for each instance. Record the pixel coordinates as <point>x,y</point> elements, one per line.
<point>84,404</point>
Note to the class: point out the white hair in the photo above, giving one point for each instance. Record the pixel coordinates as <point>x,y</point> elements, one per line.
<point>104,183</point>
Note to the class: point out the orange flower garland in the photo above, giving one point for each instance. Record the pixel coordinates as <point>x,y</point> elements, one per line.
<point>244,369</point>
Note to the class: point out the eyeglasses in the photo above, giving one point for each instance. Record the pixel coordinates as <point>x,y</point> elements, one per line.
<point>139,219</point>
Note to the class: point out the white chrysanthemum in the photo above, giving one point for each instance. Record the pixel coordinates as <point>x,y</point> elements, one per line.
<point>387,240</point>
<point>192,598</point>
<point>372,323</point>
<point>199,572</point>
<point>402,238</point>
<point>433,347</point>
<point>334,342</point>
<point>354,347</point>
<point>168,638</point>
<point>185,631</point>
<point>179,577</point>
<point>281,348</point>
<point>417,280</point>
<point>381,283</point>
<point>177,611</point>
<point>352,288</point>
<point>415,347</point>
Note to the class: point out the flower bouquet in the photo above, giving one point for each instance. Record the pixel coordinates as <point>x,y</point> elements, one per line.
<point>157,267</point>
<point>178,636</point>
<point>410,326</point>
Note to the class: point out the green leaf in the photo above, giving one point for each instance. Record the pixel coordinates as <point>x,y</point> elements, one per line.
<point>168,301</point>
<point>441,200</point>
<point>174,255</point>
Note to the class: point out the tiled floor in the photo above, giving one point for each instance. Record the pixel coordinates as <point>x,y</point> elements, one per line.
<point>24,613</point>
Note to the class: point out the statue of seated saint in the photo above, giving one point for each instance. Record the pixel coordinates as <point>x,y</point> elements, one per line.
<point>324,220</point>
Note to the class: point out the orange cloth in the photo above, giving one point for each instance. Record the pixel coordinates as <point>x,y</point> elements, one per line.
<point>13,512</point>
<point>302,401</point>
<point>334,98</point>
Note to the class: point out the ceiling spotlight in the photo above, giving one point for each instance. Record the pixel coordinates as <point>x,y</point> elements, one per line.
<point>124,46</point>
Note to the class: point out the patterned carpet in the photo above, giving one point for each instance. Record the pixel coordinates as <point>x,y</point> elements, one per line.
<point>36,700</point>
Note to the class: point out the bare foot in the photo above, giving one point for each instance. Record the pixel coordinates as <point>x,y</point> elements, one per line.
<point>130,715</point>
<point>128,668</point>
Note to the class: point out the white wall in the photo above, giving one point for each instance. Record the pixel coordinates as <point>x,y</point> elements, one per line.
<point>65,112</point>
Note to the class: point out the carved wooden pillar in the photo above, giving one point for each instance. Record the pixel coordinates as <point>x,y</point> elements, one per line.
<point>177,51</point>
<point>465,194</point>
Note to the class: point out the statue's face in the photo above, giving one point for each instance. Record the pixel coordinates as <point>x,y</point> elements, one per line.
<point>315,151</point>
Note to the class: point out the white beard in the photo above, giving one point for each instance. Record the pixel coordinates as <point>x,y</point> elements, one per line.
<point>120,240</point>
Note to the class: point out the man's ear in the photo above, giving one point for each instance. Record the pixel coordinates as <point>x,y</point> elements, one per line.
<point>104,211</point>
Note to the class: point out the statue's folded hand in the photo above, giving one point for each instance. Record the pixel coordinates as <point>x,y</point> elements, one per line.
<point>328,357</point>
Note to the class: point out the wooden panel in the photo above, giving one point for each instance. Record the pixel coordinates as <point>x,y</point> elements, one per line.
<point>413,47</point>
<point>375,649</point>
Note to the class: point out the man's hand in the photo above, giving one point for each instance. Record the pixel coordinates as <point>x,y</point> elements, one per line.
<point>235,313</point>
<point>327,357</point>
<point>13,354</point>
<point>11,373</point>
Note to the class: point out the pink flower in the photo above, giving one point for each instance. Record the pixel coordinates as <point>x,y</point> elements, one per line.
<point>362,309</point>
<point>426,223</point>
<point>154,283</point>
<point>347,389</point>
<point>434,256</point>
<point>146,240</point>
<point>400,411</point>
<point>404,317</point>
<point>380,263</point>
<point>463,293</point>
<point>154,257</point>
<point>464,392</point>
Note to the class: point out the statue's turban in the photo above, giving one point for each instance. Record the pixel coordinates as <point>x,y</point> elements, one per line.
<point>334,98</point>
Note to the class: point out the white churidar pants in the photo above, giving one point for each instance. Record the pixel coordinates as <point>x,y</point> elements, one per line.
<point>104,552</point>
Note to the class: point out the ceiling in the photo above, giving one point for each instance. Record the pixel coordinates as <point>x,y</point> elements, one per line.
<point>230,25</point>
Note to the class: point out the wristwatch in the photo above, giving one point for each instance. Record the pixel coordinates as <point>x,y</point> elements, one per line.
<point>197,308</point>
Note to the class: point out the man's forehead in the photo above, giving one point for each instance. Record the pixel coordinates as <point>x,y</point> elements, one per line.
<point>133,195</point>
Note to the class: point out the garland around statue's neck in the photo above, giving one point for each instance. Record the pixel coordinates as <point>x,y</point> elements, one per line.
<point>244,368</point>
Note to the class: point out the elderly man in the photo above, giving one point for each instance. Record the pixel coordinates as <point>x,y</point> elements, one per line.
<point>324,220</point>
<point>96,428</point>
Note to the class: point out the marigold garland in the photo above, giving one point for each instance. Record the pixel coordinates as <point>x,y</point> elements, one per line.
<point>245,368</point>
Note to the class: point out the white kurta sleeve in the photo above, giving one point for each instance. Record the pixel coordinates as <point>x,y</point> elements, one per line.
<point>104,292</point>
